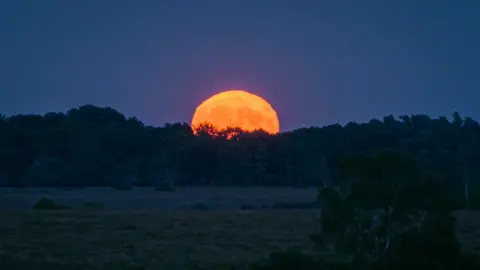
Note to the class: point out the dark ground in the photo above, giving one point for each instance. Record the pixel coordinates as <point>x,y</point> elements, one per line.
<point>110,229</point>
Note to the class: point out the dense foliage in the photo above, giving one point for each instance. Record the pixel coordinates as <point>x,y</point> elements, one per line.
<point>391,215</point>
<point>92,146</point>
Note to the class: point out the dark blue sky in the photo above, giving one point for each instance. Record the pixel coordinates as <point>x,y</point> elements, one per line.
<point>317,62</point>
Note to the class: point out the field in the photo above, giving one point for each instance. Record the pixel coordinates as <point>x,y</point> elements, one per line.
<point>147,199</point>
<point>161,236</point>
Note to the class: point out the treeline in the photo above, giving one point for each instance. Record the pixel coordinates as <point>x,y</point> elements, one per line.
<point>92,146</point>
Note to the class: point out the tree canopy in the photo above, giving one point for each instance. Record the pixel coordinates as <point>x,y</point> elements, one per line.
<point>92,146</point>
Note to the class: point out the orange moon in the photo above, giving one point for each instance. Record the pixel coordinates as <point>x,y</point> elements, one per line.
<point>237,108</point>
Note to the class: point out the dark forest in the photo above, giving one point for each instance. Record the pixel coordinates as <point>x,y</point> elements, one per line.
<point>92,146</point>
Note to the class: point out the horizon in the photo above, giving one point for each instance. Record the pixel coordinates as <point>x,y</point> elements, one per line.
<point>396,117</point>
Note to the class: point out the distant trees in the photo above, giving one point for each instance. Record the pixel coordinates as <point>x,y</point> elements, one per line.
<point>92,146</point>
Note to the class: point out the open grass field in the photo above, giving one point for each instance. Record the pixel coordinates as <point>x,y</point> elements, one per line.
<point>148,199</point>
<point>162,238</point>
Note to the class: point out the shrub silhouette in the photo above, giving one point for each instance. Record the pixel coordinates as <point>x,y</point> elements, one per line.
<point>48,204</point>
<point>288,260</point>
<point>121,186</point>
<point>94,205</point>
<point>165,187</point>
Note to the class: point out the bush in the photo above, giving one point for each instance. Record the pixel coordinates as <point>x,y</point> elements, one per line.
<point>165,187</point>
<point>48,204</point>
<point>94,205</point>
<point>296,205</point>
<point>247,207</point>
<point>470,261</point>
<point>121,186</point>
<point>290,259</point>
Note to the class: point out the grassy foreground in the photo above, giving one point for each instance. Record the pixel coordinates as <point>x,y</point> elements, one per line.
<point>163,240</point>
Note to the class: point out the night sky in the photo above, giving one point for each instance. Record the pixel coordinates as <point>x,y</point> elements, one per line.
<point>317,62</point>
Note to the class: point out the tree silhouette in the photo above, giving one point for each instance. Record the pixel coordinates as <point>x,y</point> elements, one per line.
<point>92,145</point>
<point>394,216</point>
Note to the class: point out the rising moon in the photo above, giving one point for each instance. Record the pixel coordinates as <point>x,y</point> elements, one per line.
<point>237,108</point>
